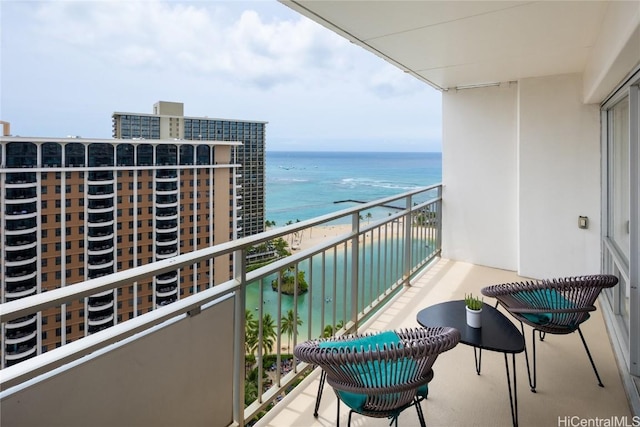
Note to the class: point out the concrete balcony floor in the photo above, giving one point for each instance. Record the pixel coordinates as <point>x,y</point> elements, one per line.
<point>567,390</point>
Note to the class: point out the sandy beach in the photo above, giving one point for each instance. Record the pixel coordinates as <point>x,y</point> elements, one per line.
<point>315,235</point>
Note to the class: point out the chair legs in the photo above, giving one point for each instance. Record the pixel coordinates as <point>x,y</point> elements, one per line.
<point>323,377</point>
<point>394,420</point>
<point>418,401</point>
<point>532,378</point>
<point>593,365</point>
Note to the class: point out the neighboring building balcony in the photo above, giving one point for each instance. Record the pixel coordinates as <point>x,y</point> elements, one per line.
<point>20,241</point>
<point>161,301</point>
<point>100,195</point>
<point>101,238</point>
<point>22,351</point>
<point>19,336</point>
<point>100,229</point>
<point>27,194</point>
<point>102,210</point>
<point>167,187</point>
<point>375,276</point>
<point>15,292</point>
<point>167,253</point>
<point>20,180</point>
<point>166,291</point>
<point>100,177</point>
<point>104,249</point>
<point>25,225</point>
<point>100,323</point>
<point>100,306</point>
<point>164,239</point>
<point>168,226</point>
<point>19,258</point>
<point>101,221</point>
<point>167,278</point>
<point>21,323</point>
<point>166,216</point>
<point>100,205</point>
<point>104,295</point>
<point>100,263</point>
<point>97,273</point>
<point>20,273</point>
<point>167,204</point>
<point>163,244</point>
<point>20,207</point>
<point>166,175</point>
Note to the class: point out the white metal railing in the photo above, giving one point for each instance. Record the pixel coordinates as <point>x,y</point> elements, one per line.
<point>349,277</point>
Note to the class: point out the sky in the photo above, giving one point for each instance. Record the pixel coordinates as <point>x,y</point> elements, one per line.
<point>66,66</point>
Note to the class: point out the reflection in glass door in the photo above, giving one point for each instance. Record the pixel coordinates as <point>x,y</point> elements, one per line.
<point>621,232</point>
<point>618,202</point>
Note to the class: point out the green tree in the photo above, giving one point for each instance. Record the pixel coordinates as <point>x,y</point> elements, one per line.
<point>369,216</point>
<point>250,333</point>
<point>281,247</point>
<point>329,330</point>
<point>288,286</point>
<point>268,333</point>
<point>290,322</point>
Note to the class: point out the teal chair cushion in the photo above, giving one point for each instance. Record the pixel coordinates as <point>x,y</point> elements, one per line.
<point>547,298</point>
<point>384,373</point>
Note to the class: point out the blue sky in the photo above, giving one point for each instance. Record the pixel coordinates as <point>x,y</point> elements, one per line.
<point>66,66</point>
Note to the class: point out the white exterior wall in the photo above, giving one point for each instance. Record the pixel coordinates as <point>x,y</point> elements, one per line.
<point>479,176</point>
<point>559,178</point>
<point>521,163</point>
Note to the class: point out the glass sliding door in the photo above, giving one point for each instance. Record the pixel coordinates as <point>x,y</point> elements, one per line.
<point>621,189</point>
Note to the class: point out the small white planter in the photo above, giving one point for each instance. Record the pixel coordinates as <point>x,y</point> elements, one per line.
<point>474,318</point>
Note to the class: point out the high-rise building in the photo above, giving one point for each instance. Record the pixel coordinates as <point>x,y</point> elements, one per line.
<point>168,122</point>
<point>74,209</point>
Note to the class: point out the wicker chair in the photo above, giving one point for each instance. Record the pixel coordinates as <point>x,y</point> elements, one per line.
<point>556,306</point>
<point>380,375</point>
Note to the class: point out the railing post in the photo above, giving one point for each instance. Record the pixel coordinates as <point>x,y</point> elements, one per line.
<point>408,254</point>
<point>240,273</point>
<point>355,264</point>
<point>439,220</point>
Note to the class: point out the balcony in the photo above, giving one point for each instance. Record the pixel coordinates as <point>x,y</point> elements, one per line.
<point>375,276</point>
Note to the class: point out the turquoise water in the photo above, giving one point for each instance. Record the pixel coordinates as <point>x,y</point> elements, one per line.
<point>303,185</point>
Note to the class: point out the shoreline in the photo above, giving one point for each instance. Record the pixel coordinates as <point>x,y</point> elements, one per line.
<point>316,235</point>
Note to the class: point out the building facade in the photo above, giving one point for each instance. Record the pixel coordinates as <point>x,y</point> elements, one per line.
<point>75,209</point>
<point>168,122</point>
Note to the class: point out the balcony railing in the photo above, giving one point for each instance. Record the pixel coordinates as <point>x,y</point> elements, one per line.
<point>203,338</point>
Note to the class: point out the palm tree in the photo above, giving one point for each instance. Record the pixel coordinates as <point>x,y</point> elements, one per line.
<point>329,330</point>
<point>290,322</point>
<point>268,333</point>
<point>250,333</point>
<point>281,247</point>
<point>369,216</point>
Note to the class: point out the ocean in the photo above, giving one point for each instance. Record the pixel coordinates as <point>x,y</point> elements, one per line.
<point>304,185</point>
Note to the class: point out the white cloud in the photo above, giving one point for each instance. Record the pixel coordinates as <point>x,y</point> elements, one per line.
<point>196,38</point>
<point>70,64</point>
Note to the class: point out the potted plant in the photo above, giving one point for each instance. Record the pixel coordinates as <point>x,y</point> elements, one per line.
<point>473,307</point>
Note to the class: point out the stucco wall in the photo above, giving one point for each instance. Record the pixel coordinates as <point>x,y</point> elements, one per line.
<point>559,178</point>
<point>521,163</point>
<point>479,176</point>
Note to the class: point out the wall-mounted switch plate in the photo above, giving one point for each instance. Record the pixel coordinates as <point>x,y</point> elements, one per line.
<point>583,222</point>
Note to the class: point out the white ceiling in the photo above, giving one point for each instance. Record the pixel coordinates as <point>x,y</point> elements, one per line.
<point>466,43</point>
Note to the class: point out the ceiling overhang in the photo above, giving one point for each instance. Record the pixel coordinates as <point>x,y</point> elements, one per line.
<point>455,44</point>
